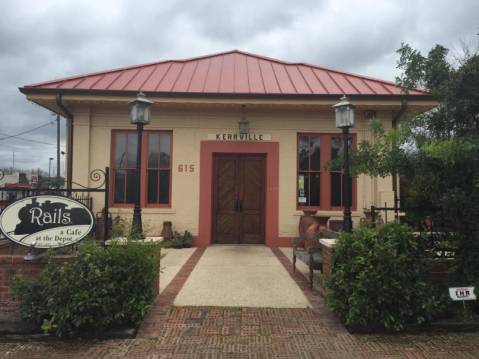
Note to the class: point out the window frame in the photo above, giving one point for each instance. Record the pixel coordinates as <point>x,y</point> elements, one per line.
<point>144,165</point>
<point>325,175</point>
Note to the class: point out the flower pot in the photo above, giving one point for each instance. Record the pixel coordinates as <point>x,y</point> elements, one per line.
<point>305,222</point>
<point>321,222</point>
<point>336,225</point>
<point>187,240</point>
<point>310,224</point>
<point>368,216</point>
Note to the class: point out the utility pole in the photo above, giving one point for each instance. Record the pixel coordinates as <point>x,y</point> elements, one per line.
<point>50,169</point>
<point>13,161</point>
<point>58,149</point>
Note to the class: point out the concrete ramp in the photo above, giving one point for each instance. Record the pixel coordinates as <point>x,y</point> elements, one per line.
<point>240,276</point>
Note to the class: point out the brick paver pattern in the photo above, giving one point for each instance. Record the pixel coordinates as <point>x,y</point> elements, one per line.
<point>251,333</point>
<point>247,333</point>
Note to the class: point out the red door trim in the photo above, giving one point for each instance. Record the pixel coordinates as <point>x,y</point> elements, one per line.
<point>207,148</point>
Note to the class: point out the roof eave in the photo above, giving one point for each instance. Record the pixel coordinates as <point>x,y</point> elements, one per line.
<point>54,91</point>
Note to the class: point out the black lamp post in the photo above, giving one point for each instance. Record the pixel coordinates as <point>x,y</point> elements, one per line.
<point>140,116</point>
<point>345,119</point>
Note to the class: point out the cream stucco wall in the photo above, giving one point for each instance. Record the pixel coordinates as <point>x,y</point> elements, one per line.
<point>191,124</point>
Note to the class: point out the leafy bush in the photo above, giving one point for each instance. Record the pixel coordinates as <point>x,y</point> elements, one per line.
<point>98,289</point>
<point>379,277</point>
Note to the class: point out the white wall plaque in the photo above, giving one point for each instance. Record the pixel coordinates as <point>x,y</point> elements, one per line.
<point>462,293</point>
<point>50,221</point>
<point>238,137</point>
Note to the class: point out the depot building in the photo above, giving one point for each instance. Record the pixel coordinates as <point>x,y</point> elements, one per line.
<point>198,170</point>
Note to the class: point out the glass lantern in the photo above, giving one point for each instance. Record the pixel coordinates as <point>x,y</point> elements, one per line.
<point>243,124</point>
<point>344,113</point>
<point>140,110</point>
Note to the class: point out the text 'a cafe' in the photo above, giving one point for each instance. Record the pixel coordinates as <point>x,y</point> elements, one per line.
<point>234,149</point>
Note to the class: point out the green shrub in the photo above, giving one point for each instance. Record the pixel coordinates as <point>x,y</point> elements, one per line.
<point>100,288</point>
<point>379,277</point>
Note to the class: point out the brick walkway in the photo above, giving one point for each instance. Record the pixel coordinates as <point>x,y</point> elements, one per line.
<point>248,333</point>
<point>153,323</point>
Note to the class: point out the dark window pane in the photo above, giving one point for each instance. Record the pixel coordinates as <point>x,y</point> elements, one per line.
<point>132,144</point>
<point>152,193</point>
<point>164,187</point>
<point>314,189</point>
<point>335,149</point>
<point>119,196</point>
<point>153,146</point>
<point>131,186</point>
<point>304,152</point>
<point>303,189</point>
<point>23,178</point>
<point>165,144</point>
<point>350,142</point>
<point>120,160</point>
<point>336,189</point>
<point>315,154</point>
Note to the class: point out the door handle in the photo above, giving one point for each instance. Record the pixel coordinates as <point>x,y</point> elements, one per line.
<point>236,204</point>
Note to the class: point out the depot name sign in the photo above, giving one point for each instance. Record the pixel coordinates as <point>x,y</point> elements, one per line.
<point>50,221</point>
<point>238,137</point>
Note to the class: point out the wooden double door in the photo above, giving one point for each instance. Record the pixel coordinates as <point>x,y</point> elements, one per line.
<point>238,199</point>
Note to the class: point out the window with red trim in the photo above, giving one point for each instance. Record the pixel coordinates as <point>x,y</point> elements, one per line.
<point>156,168</point>
<point>318,189</point>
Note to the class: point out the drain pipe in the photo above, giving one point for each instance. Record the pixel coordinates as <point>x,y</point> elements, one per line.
<point>69,118</point>
<point>396,119</point>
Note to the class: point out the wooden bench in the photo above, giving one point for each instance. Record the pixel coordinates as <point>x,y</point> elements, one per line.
<point>312,256</point>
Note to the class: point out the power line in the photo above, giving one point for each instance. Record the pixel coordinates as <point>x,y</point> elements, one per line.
<point>24,139</point>
<point>18,134</point>
<point>25,149</point>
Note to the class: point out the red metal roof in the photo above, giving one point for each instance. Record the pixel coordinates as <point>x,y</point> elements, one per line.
<point>229,72</point>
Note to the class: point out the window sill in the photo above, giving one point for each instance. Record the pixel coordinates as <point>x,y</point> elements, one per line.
<point>338,213</point>
<point>143,210</point>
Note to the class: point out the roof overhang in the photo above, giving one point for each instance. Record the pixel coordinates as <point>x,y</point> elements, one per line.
<point>46,97</point>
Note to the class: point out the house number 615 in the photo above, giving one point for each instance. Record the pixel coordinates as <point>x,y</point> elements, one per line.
<point>186,168</point>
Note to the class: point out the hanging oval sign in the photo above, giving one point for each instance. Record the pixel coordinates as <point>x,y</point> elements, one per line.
<point>50,221</point>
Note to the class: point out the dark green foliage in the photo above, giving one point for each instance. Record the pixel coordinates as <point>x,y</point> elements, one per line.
<point>379,277</point>
<point>100,288</point>
<point>437,152</point>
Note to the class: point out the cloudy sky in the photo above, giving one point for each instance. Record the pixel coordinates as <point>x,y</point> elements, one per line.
<point>43,40</point>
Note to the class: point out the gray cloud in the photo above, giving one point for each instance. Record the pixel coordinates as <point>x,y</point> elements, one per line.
<point>45,40</point>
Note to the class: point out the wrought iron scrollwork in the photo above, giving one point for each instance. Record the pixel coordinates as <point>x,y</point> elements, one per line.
<point>2,174</point>
<point>97,175</point>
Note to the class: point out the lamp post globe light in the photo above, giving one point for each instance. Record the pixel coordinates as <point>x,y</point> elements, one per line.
<point>344,112</point>
<point>140,116</point>
<point>243,124</point>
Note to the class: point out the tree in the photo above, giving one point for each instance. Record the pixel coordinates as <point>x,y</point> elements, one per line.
<point>438,151</point>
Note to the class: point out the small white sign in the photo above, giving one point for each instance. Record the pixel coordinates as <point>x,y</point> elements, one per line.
<point>462,293</point>
<point>302,200</point>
